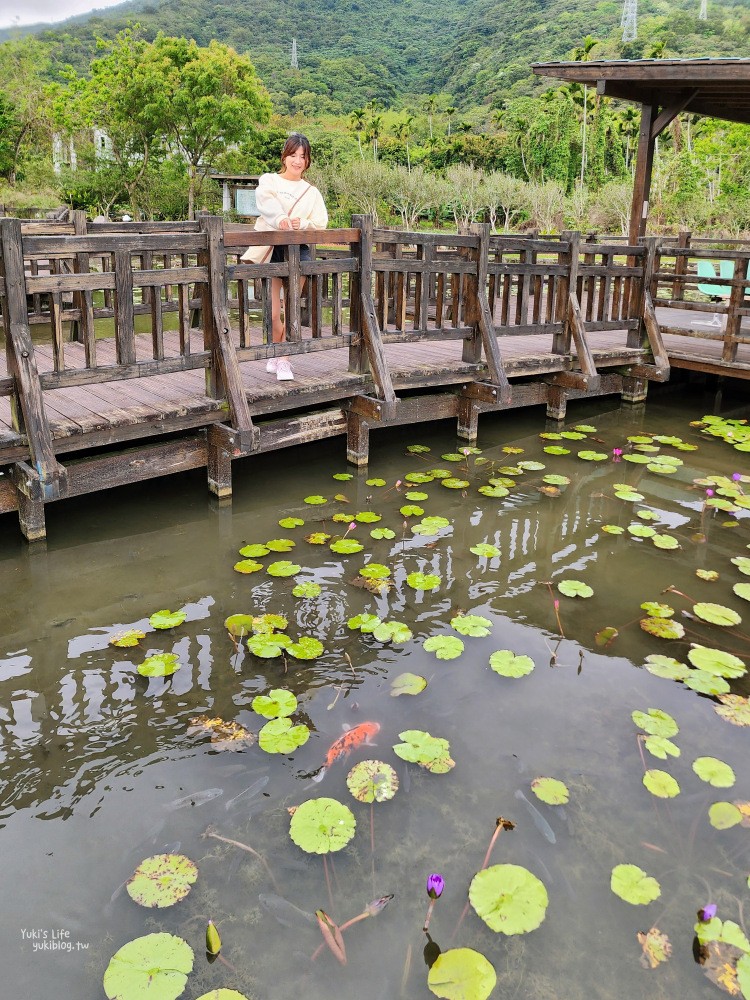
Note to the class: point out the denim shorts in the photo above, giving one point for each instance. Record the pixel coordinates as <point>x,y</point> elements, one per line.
<point>279,255</point>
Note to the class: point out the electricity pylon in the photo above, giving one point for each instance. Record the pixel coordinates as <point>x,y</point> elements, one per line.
<point>629,21</point>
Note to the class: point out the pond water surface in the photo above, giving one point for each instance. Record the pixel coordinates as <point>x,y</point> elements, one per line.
<point>94,759</point>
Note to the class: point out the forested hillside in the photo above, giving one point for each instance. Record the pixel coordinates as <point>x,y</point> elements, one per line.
<point>351,51</point>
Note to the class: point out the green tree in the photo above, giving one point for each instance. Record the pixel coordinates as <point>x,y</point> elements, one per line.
<point>24,64</point>
<point>581,54</point>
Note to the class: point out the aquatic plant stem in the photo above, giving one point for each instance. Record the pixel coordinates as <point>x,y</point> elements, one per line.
<point>500,825</point>
<point>344,927</point>
<point>328,880</point>
<point>407,970</point>
<point>244,847</point>
<point>372,842</point>
<point>556,606</point>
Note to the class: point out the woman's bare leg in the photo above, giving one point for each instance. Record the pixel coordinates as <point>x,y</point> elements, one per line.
<point>277,325</point>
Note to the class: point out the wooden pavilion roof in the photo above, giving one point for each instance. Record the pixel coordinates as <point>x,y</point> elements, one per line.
<point>719,88</point>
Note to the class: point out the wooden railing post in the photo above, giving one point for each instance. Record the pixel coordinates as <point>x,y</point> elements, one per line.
<point>485,329</point>
<point>639,336</point>
<point>369,329</point>
<point>223,377</point>
<point>561,340</point>
<point>45,479</point>
<point>680,264</point>
<point>734,319</point>
<point>358,360</point>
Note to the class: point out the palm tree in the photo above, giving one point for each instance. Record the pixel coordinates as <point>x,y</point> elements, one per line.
<point>449,113</point>
<point>358,123</point>
<point>429,106</point>
<point>403,133</point>
<point>374,130</point>
<point>581,54</point>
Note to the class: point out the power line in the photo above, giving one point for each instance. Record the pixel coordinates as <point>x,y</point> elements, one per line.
<point>294,63</point>
<point>629,21</point>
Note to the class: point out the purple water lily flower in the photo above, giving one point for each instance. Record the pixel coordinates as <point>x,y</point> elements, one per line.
<point>736,476</point>
<point>435,886</point>
<point>707,912</point>
<point>709,493</point>
<point>616,454</point>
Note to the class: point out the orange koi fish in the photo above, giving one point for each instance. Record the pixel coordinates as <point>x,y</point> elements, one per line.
<point>348,741</point>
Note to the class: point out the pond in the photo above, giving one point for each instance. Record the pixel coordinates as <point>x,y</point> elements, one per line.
<point>102,768</point>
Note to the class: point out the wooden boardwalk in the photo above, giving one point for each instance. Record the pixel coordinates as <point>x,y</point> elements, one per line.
<point>383,328</point>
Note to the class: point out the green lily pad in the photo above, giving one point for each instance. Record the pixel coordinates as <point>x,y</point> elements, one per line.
<point>268,623</point>
<point>408,683</point>
<point>705,683</point>
<point>431,752</point>
<point>430,525</point>
<point>254,551</point>
<point>572,436</point>
<point>445,647</point>
<point>364,622</point>
<point>555,480</point>
<point>550,790</point>
<point>247,566</point>
<point>423,581</point>
<point>461,974</point>
<point>741,590</point>
<point>710,575</point>
<point>342,517</point>
<point>346,546</point>
<point>574,588</point>
<point>485,550</point>
<point>291,522</point>
<point>640,438</point>
<point>390,631</point>
<point>716,614</point>
<point>416,496</point>
<point>280,545</point>
<point>375,571</point>
<point>655,722</point>
<point>641,531</point>
<point>417,449</point>
<point>661,747</point>
<point>223,994</point>
<point>281,736</point>
<point>239,625</point>
<point>661,784</point>
<point>714,771</point>
<point>305,648</point>
<point>317,538</point>
<point>742,563</point>
<point>473,625</point>
<point>159,665</point>
<point>268,644</point>
<point>308,589</point>
<point>154,966</point>
<point>277,704</point>
<point>418,477</point>
<point>592,456</point>
<point>498,492</point>
<point>662,628</point>
<point>648,515</point>
<point>131,637</point>
<point>556,449</point>
<point>167,619</point>
<point>667,667</point>
<point>322,826</point>
<point>368,517</point>
<point>315,500</point>
<point>378,533</point>
<point>637,459</point>
<point>162,880</point>
<point>613,529</point>
<point>657,610</point>
<point>734,708</point>
<point>509,898</point>
<point>717,661</point>
<point>451,483</point>
<point>723,815</point>
<point>283,568</point>
<point>372,781</point>
<point>666,542</point>
<point>632,884</point>
<point>508,664</point>
<point>375,481</point>
<point>342,476</point>
<point>411,510</point>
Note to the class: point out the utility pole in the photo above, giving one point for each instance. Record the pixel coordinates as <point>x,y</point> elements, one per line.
<point>294,63</point>
<point>703,16</point>
<point>629,21</point>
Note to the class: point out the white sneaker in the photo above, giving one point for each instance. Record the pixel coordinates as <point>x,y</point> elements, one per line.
<point>284,371</point>
<point>271,365</point>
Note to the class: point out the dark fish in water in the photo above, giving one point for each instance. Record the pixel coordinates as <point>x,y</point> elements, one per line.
<point>539,821</point>
<point>287,914</point>
<point>195,799</point>
<point>249,793</point>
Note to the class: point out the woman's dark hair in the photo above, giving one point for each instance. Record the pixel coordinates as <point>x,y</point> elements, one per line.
<point>296,141</point>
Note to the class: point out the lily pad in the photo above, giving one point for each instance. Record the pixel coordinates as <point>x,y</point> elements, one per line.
<point>487,551</point>
<point>509,898</point>
<point>657,610</point>
<point>154,966</point>
<point>461,974</point>
<point>411,510</point>
<point>656,946</point>
<point>498,492</point>
<point>280,545</point>
<point>254,551</point>
<point>423,581</point>
<point>408,683</point>
<point>131,637</point>
<point>742,563</point>
<point>574,588</point>
<point>277,704</point>
<point>167,619</point>
<point>162,880</point>
<point>661,784</point>
<point>508,664</point>
<point>655,722</point>
<point>451,483</point>
<point>717,661</point>
<point>291,522</point>
<point>716,614</point>
<point>416,496</point>
<point>556,449</point>
<point>372,781</point>
<point>592,456</point>
<point>711,576</point>
<point>247,566</point>
<point>346,546</point>
<point>223,994</point>
<point>305,648</point>
<point>723,815</point>
<point>705,683</point>
<point>641,530</point>
<point>268,645</point>
<point>430,752</point>
<point>473,625</point>
<point>391,631</point>
<point>613,529</point>
<point>379,533</point>
<point>663,541</point>
<point>742,590</point>
<point>632,884</point>
<point>364,622</point>
<point>714,771</point>
<point>667,667</point>
<point>555,480</point>
<point>315,500</point>
<point>280,736</point>
<point>308,589</point>
<point>445,647</point>
<point>375,571</point>
<point>317,538</point>
<point>239,626</point>
<point>159,665</point>
<point>368,517</point>
<point>661,747</point>
<point>662,628</point>
<point>430,525</point>
<point>283,568</point>
<point>734,708</point>
<point>550,790</point>
<point>322,826</point>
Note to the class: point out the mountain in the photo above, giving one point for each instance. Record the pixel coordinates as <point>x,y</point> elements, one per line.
<point>351,51</point>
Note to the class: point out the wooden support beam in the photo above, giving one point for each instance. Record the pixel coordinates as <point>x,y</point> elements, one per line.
<point>373,409</point>
<point>642,180</point>
<point>557,402</point>
<point>484,317</point>
<point>670,112</point>
<point>357,439</point>
<point>370,329</point>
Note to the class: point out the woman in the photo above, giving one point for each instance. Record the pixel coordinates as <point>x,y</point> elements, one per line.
<point>286,201</point>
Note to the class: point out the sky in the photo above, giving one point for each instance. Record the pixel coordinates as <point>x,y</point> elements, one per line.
<point>32,11</point>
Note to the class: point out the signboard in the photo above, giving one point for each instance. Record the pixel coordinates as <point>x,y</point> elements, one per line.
<point>244,201</point>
